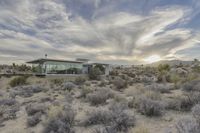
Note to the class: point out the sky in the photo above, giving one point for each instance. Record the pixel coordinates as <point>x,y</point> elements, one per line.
<point>110,31</point>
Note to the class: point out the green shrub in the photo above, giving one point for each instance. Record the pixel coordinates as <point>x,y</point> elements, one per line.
<point>22,80</point>
<point>95,73</point>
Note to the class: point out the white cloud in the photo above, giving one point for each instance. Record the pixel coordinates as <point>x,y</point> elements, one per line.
<point>30,29</point>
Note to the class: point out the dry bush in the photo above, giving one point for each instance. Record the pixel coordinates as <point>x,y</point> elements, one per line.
<point>68,86</point>
<point>7,102</point>
<point>191,86</point>
<point>80,80</point>
<point>119,83</point>
<point>115,119</point>
<point>26,91</point>
<point>187,125</point>
<point>8,109</point>
<point>185,102</point>
<point>99,97</point>
<point>97,117</point>
<point>32,109</point>
<point>63,122</point>
<point>196,112</point>
<point>17,81</point>
<point>150,107</point>
<point>85,91</point>
<point>162,88</point>
<point>103,129</point>
<point>34,120</point>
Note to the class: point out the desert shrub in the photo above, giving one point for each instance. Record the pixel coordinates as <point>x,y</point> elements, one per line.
<point>68,86</point>
<point>80,80</point>
<point>185,102</point>
<point>119,83</point>
<point>32,109</point>
<point>187,125</point>
<point>150,107</point>
<point>63,122</point>
<point>196,112</point>
<point>94,74</point>
<point>98,117</point>
<point>114,120</point>
<point>17,81</point>
<point>8,102</point>
<point>99,97</point>
<point>85,91</point>
<point>25,91</point>
<point>57,81</point>
<point>122,121</point>
<point>175,78</point>
<point>162,88</point>
<point>191,86</point>
<point>34,120</point>
<point>8,109</point>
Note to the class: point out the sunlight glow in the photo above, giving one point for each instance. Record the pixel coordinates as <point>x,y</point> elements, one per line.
<point>153,58</point>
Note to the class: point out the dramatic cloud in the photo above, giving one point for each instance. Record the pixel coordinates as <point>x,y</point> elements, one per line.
<point>114,31</point>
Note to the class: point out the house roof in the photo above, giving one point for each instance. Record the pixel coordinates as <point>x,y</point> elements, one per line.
<point>42,60</point>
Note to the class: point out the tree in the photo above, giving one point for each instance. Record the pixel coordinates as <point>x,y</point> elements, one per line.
<point>163,71</point>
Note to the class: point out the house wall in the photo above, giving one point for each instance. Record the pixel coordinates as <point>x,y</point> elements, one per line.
<point>53,67</point>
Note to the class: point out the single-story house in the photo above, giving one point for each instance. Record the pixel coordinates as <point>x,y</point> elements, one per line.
<point>46,66</point>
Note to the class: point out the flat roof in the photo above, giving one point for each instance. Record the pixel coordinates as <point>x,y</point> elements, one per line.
<point>42,60</point>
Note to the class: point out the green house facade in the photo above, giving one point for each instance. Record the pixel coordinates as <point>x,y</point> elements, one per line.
<point>53,66</point>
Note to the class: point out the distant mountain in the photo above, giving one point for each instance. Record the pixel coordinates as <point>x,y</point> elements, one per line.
<point>171,62</point>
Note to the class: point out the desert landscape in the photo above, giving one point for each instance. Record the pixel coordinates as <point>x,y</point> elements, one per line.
<point>99,66</point>
<point>135,99</point>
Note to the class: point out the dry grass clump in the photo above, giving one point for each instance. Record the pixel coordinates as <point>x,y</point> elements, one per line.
<point>8,109</point>
<point>62,122</point>
<point>162,88</point>
<point>26,91</point>
<point>32,109</point>
<point>184,102</point>
<point>85,91</point>
<point>17,81</point>
<point>68,86</point>
<point>149,107</point>
<point>115,119</point>
<point>119,83</point>
<point>100,96</point>
<point>187,125</point>
<point>190,124</point>
<point>191,86</point>
<point>34,120</point>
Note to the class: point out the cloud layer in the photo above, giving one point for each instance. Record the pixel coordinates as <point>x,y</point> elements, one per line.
<point>114,31</point>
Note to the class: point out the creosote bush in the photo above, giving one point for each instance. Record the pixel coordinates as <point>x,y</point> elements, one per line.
<point>17,81</point>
